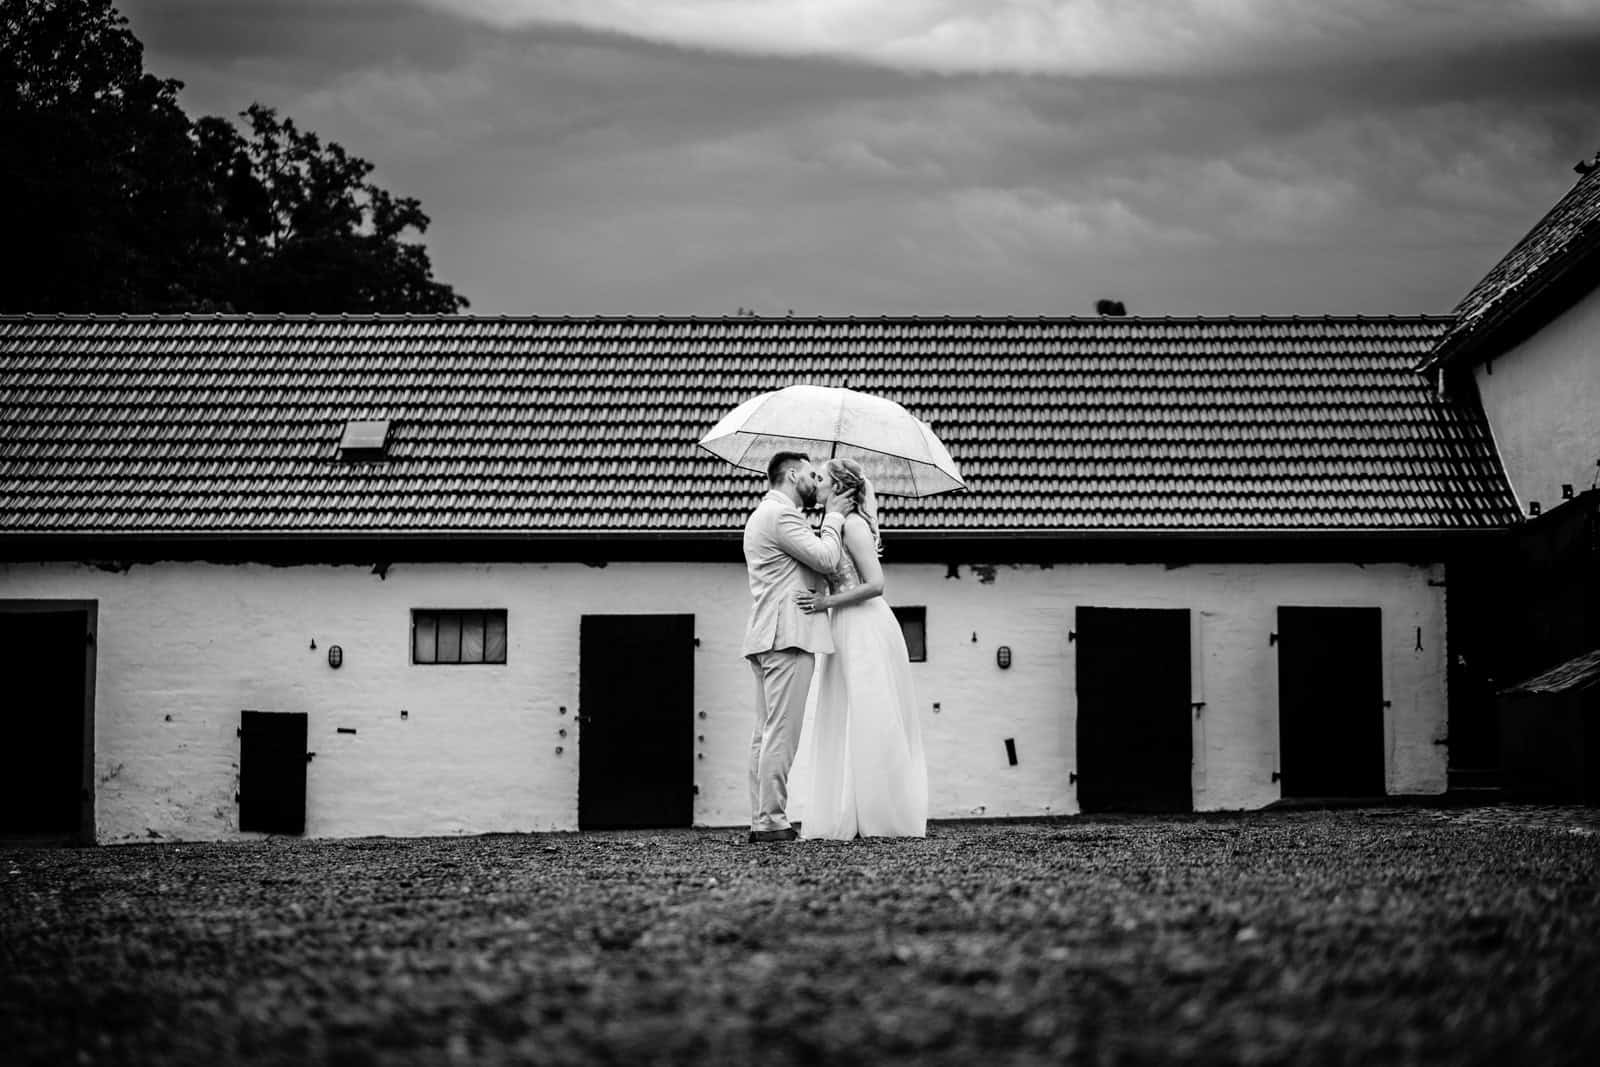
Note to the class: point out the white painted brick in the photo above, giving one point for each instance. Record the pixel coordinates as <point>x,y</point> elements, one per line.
<point>477,753</point>
<point>1542,400</point>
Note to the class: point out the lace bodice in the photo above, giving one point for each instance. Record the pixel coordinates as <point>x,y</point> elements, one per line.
<point>845,576</point>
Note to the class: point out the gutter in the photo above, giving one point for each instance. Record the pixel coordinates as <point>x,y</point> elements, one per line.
<point>403,536</point>
<point>118,551</point>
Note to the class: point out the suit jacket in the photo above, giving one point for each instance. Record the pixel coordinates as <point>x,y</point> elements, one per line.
<point>783,557</point>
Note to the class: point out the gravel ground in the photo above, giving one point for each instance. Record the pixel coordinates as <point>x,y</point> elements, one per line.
<point>1361,936</point>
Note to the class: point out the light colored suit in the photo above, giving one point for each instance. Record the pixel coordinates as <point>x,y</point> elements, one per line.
<point>782,557</point>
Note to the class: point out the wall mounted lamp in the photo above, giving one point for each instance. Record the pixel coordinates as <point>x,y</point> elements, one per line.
<point>335,656</point>
<point>1002,657</point>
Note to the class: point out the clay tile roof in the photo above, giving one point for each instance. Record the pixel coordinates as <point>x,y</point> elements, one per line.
<point>216,424</point>
<point>1559,249</point>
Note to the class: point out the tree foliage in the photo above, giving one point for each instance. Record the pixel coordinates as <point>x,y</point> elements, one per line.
<point>116,201</point>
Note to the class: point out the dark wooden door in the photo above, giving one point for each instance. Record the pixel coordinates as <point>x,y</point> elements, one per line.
<point>272,772</point>
<point>1135,741</point>
<point>636,721</point>
<point>43,783</point>
<point>1330,702</point>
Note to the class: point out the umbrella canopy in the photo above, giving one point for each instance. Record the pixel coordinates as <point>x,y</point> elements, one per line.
<point>898,450</point>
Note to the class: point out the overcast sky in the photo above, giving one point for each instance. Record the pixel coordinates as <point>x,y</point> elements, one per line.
<point>889,157</point>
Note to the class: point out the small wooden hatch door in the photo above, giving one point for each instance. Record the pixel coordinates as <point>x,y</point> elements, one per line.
<point>272,772</point>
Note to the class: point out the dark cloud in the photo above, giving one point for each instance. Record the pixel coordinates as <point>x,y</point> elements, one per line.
<point>1066,38</point>
<point>574,171</point>
<point>321,38</point>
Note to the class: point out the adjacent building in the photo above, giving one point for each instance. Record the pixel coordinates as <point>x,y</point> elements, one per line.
<point>1525,347</point>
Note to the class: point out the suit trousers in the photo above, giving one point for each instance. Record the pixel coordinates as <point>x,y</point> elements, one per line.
<point>783,680</point>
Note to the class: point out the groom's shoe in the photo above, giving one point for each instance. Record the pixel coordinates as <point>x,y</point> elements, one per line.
<point>758,837</point>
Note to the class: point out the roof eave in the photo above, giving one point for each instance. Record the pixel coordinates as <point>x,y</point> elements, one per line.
<point>1528,307</point>
<point>90,537</point>
<point>117,551</point>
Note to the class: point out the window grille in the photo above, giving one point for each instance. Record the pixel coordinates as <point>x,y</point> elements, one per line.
<point>458,636</point>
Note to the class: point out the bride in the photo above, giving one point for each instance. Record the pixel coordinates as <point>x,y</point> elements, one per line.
<point>868,776</point>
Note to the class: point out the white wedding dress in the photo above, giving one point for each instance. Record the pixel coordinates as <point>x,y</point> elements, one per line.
<point>868,774</point>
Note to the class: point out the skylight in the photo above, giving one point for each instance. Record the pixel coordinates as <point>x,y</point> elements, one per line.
<point>364,439</point>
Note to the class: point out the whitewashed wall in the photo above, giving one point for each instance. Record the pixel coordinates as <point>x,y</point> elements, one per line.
<point>1542,399</point>
<point>183,647</point>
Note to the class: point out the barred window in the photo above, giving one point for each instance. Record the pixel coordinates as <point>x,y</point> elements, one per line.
<point>914,625</point>
<point>458,636</point>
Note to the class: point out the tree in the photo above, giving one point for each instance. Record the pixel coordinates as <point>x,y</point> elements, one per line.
<point>115,201</point>
<point>1109,307</point>
<point>97,176</point>
<point>308,231</point>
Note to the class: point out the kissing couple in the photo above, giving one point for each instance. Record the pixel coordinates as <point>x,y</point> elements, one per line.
<point>869,775</point>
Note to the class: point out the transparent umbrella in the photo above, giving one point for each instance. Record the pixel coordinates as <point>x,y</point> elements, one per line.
<point>899,451</point>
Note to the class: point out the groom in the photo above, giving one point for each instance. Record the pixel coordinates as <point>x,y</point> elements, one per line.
<point>783,557</point>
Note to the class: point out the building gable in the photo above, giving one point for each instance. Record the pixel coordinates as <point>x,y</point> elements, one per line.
<point>1553,265</point>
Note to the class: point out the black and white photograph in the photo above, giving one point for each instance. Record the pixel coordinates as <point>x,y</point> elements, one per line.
<point>792,532</point>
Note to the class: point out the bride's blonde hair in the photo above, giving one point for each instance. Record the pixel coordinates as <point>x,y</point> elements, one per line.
<point>848,477</point>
